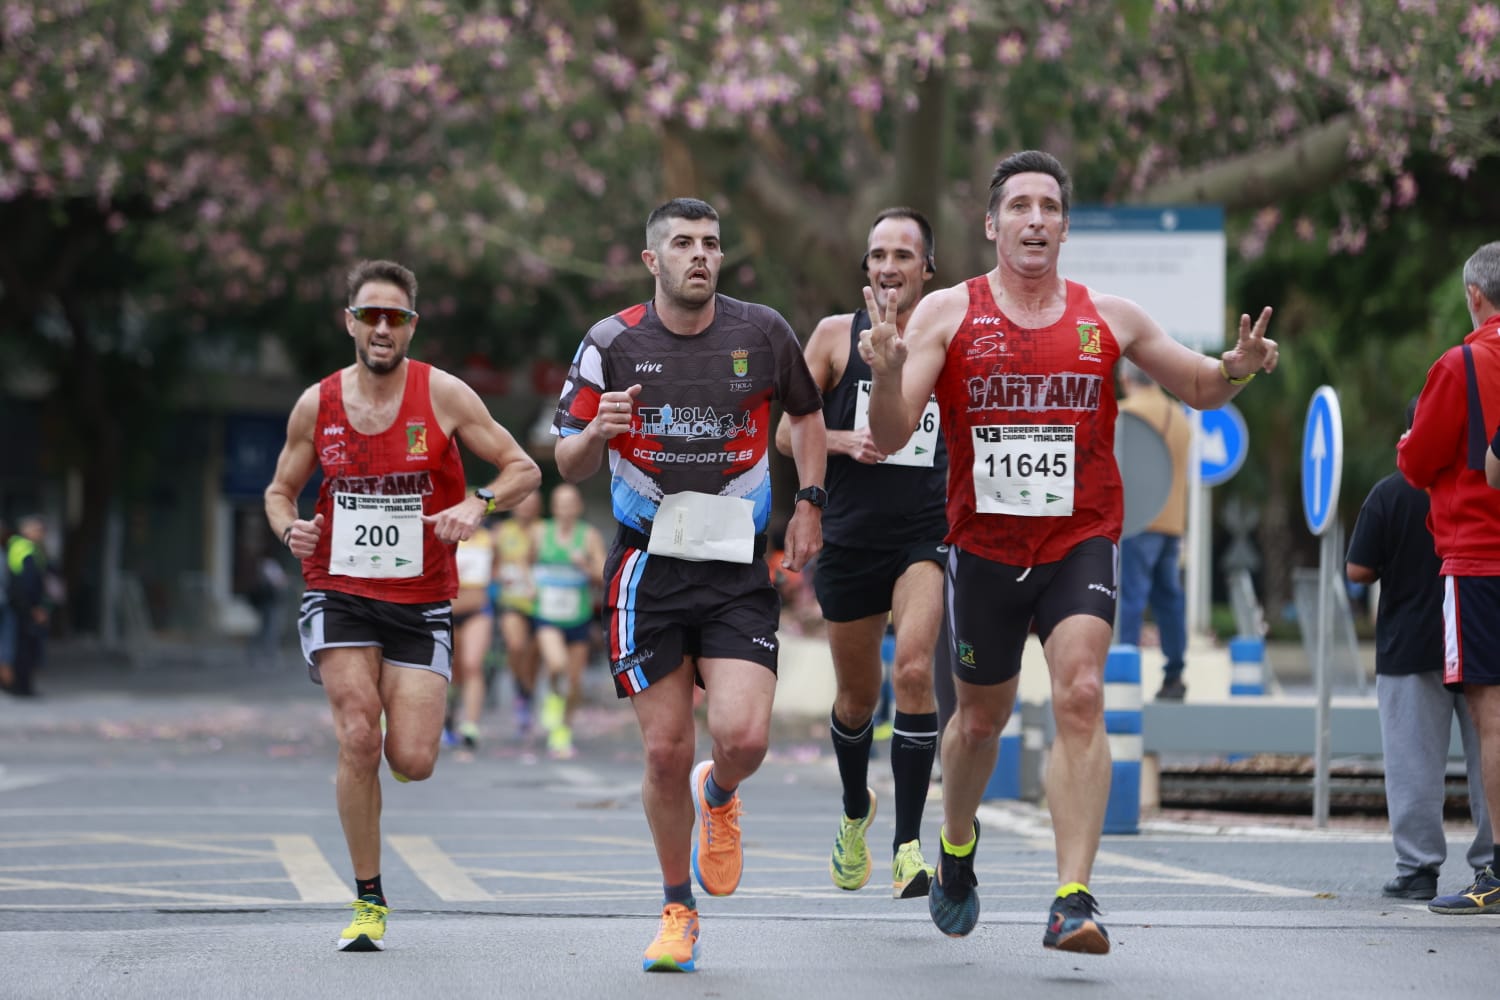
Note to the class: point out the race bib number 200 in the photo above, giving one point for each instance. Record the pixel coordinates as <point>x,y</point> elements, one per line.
<point>1024,469</point>
<point>376,537</point>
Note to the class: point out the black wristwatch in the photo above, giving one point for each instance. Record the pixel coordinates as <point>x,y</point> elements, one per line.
<point>488,496</point>
<point>815,495</point>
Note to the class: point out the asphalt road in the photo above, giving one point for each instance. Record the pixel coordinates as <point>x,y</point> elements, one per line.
<point>173,835</point>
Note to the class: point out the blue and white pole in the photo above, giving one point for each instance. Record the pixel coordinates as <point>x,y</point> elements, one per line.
<point>1122,722</point>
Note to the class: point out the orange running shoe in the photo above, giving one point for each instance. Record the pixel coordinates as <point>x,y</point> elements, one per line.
<point>718,858</point>
<point>676,946</point>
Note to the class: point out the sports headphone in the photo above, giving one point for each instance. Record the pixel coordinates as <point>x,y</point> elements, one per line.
<point>923,226</point>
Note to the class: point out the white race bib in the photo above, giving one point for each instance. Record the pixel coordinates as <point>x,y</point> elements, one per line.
<point>376,537</point>
<point>920,448</point>
<point>475,564</point>
<point>704,527</point>
<point>556,603</point>
<point>1024,469</point>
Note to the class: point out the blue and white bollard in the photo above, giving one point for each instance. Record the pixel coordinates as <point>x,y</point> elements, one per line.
<point>1247,665</point>
<point>1005,779</point>
<point>1122,721</point>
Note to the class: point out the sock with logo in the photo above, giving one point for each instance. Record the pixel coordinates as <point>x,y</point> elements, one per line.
<point>369,887</point>
<point>852,750</point>
<point>913,746</point>
<point>682,893</point>
<point>716,794</point>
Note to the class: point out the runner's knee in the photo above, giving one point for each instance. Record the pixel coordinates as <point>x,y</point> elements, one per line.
<point>1078,705</point>
<point>669,758</point>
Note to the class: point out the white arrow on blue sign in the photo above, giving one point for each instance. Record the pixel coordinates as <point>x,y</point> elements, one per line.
<point>1223,446</point>
<point>1322,459</point>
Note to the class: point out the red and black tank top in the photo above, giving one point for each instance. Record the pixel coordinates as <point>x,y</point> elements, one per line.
<point>410,458</point>
<point>1029,419</point>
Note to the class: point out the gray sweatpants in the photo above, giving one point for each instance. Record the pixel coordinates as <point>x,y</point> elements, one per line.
<point>1416,725</point>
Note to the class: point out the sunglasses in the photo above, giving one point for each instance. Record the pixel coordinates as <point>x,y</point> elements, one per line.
<point>372,315</point>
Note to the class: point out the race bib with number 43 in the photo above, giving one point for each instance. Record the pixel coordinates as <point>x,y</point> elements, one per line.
<point>376,537</point>
<point>1024,469</point>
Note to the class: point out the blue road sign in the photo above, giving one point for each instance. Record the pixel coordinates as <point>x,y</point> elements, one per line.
<point>1322,459</point>
<point>1223,445</point>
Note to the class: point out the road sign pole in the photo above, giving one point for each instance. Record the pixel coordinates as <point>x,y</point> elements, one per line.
<point>1322,472</point>
<point>1327,553</point>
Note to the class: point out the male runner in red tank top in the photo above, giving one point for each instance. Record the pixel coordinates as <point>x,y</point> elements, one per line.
<point>378,553</point>
<point>1022,363</point>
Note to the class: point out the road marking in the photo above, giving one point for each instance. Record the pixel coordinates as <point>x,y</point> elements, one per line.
<point>434,867</point>
<point>309,871</point>
<point>1192,877</point>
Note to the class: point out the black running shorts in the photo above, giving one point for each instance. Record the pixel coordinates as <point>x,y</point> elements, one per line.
<point>409,635</point>
<point>991,607</point>
<point>1471,630</point>
<point>854,583</point>
<point>659,609</point>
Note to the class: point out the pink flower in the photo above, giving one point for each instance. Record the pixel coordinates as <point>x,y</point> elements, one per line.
<point>1011,50</point>
<point>277,45</point>
<point>1482,23</point>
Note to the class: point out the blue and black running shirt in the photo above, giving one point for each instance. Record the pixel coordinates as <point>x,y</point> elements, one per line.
<point>702,421</point>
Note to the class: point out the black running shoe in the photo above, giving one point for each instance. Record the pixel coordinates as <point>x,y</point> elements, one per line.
<point>952,900</point>
<point>1071,925</point>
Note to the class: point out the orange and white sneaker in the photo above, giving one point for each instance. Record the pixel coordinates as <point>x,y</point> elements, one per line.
<point>718,858</point>
<point>676,946</point>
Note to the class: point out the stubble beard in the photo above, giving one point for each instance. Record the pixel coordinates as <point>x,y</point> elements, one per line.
<point>380,368</point>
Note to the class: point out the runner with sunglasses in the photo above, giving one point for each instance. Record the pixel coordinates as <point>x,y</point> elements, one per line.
<point>378,553</point>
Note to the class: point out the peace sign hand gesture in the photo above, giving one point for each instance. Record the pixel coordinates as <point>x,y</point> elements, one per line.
<point>1253,351</point>
<point>881,346</point>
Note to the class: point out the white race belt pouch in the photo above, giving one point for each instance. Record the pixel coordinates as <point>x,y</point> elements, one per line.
<point>1025,470</point>
<point>702,527</point>
<point>376,537</point>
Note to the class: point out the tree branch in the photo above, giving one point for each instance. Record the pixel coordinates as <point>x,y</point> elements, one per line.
<point>1306,163</point>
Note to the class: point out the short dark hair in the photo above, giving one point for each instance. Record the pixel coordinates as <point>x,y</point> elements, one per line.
<point>384,271</point>
<point>923,226</point>
<point>690,209</point>
<point>1030,161</point>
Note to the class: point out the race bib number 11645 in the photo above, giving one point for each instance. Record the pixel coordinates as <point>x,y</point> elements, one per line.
<point>1024,469</point>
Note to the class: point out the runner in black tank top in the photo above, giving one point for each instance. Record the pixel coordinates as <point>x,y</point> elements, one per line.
<point>882,549</point>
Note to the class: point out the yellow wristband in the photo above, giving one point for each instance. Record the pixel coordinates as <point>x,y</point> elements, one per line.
<point>1230,378</point>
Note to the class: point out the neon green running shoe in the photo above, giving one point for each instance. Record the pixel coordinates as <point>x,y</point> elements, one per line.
<point>554,707</point>
<point>850,864</point>
<point>911,875</point>
<point>367,932</point>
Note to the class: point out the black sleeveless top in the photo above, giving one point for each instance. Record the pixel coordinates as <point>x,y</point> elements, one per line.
<point>883,506</point>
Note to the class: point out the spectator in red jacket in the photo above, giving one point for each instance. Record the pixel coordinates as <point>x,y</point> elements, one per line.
<point>1445,454</point>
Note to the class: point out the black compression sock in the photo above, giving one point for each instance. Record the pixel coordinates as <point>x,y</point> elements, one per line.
<point>913,747</point>
<point>853,753</point>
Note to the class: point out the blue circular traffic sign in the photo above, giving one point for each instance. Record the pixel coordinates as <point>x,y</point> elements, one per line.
<point>1322,459</point>
<point>1223,444</point>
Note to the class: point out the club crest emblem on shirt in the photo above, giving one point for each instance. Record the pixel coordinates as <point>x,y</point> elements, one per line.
<point>416,439</point>
<point>740,362</point>
<point>1088,338</point>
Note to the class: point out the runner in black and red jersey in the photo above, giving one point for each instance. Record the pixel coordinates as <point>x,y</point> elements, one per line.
<point>378,553</point>
<point>677,391</point>
<point>1022,362</point>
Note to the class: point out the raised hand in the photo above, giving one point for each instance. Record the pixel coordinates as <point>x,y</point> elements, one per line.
<point>1253,351</point>
<point>881,346</point>
<point>302,540</point>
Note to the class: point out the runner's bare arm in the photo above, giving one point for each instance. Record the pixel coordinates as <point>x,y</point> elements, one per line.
<point>1196,379</point>
<point>823,360</point>
<point>462,413</point>
<point>906,366</point>
<point>804,533</point>
<point>294,467</point>
<point>580,455</point>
